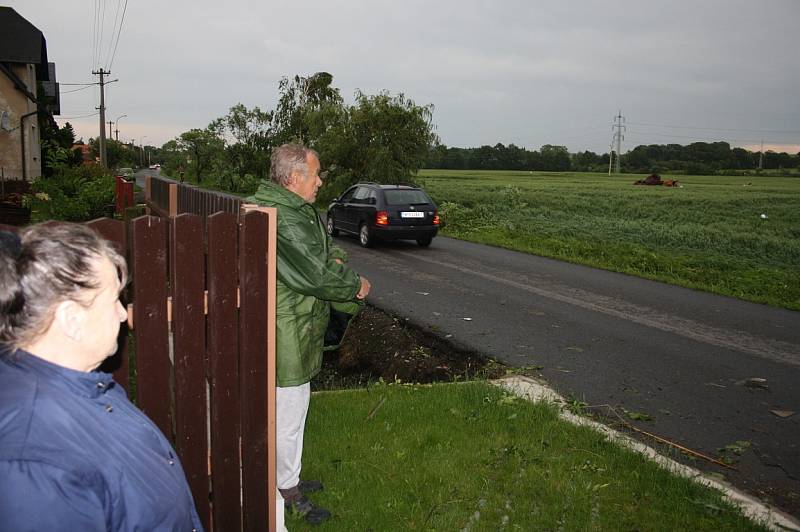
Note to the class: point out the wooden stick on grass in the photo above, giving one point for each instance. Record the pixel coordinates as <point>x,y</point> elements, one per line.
<point>666,441</point>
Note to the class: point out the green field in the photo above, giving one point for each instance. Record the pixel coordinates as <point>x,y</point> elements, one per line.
<point>709,234</point>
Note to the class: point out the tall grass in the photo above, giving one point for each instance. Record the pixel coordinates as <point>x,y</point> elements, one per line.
<point>710,234</point>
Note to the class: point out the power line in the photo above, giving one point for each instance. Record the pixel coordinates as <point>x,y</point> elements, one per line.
<point>102,28</point>
<point>113,30</point>
<point>76,83</point>
<point>122,20</point>
<point>96,25</point>
<point>76,90</point>
<point>81,116</point>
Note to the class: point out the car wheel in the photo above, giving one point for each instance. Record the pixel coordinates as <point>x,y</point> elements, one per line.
<point>424,242</point>
<point>365,236</point>
<point>332,227</point>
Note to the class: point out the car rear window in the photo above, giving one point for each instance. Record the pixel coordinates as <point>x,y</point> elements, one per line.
<point>405,197</point>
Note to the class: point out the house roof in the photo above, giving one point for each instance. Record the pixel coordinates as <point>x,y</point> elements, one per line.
<point>22,42</point>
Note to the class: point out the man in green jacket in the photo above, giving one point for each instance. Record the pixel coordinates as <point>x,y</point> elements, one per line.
<point>311,275</point>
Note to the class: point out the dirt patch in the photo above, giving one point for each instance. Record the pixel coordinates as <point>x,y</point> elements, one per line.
<point>380,346</point>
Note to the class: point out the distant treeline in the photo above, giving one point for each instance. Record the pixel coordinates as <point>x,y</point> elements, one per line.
<point>697,158</point>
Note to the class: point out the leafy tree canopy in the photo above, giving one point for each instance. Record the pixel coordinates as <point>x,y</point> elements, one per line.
<point>382,137</point>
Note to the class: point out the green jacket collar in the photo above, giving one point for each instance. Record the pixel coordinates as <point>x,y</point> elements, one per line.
<point>273,193</point>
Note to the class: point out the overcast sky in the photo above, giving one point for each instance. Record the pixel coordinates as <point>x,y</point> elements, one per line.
<point>523,72</point>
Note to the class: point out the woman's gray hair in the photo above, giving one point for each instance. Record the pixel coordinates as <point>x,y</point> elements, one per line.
<point>42,266</point>
<point>289,158</point>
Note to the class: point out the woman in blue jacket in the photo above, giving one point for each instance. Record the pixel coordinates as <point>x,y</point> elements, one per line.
<point>75,454</point>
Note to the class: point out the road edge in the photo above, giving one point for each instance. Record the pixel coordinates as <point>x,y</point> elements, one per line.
<point>758,511</point>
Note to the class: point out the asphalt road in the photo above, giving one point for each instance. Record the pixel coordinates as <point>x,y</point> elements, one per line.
<point>141,174</point>
<point>680,356</point>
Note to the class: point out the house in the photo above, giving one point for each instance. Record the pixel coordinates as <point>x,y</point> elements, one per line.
<point>28,94</point>
<point>86,154</point>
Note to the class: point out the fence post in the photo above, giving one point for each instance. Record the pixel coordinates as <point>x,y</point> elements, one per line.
<point>257,368</point>
<point>149,260</point>
<point>148,194</point>
<point>223,364</point>
<point>173,200</point>
<point>187,281</point>
<point>116,232</point>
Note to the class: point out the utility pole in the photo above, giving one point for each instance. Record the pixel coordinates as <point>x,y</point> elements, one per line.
<point>102,108</point>
<point>617,128</point>
<point>110,129</point>
<point>103,159</point>
<point>761,156</point>
<point>116,125</point>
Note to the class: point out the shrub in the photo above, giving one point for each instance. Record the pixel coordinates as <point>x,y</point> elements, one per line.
<point>73,194</point>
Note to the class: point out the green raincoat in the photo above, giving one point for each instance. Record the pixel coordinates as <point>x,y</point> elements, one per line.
<point>309,280</point>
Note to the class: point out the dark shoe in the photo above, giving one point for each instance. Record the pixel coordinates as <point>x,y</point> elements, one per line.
<point>309,486</point>
<point>302,506</point>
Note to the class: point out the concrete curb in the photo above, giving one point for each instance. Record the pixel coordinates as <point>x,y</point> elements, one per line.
<point>756,510</point>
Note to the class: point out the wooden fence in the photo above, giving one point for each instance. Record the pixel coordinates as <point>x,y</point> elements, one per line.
<point>167,197</point>
<point>123,194</point>
<point>202,300</point>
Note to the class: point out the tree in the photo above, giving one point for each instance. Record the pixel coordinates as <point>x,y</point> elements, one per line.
<point>300,98</point>
<point>118,154</point>
<point>203,146</point>
<point>382,138</point>
<point>555,158</point>
<point>247,138</point>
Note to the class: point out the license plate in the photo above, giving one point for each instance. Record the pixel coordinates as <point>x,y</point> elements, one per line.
<point>412,214</point>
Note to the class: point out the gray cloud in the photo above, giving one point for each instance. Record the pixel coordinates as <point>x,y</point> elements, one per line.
<point>505,71</point>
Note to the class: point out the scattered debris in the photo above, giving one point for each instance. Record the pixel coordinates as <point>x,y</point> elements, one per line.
<point>374,410</point>
<point>716,385</point>
<point>756,383</point>
<point>655,180</point>
<point>764,216</point>
<point>651,180</point>
<point>638,416</point>
<point>423,293</point>
<point>467,319</point>
<point>783,413</point>
<point>736,448</point>
<point>664,440</point>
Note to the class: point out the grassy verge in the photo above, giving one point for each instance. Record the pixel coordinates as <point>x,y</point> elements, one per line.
<point>470,457</point>
<point>709,235</point>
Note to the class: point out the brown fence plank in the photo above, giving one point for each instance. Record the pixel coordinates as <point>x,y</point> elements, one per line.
<point>187,260</point>
<point>272,271</point>
<point>223,351</point>
<point>153,367</point>
<point>115,231</point>
<point>253,371</point>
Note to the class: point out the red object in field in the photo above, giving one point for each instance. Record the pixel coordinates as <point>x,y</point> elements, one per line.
<point>123,194</point>
<point>382,218</point>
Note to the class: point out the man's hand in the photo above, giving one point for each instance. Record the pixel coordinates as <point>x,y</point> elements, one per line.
<point>364,290</point>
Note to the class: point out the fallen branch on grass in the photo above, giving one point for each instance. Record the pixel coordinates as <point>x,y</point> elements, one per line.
<point>664,440</point>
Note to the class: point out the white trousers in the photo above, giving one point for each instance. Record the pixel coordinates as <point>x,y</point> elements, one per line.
<point>291,407</point>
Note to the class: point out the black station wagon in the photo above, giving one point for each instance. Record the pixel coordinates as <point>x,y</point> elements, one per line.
<point>384,212</point>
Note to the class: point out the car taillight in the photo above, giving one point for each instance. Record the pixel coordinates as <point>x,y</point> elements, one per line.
<point>436,220</point>
<point>382,218</point>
